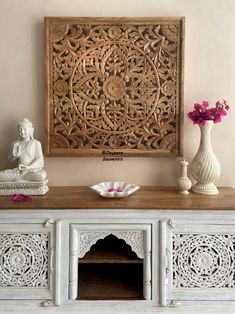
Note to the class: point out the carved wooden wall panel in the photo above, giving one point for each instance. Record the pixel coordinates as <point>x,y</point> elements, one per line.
<point>114,84</point>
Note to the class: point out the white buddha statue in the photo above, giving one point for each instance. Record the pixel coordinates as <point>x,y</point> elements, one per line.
<point>27,152</point>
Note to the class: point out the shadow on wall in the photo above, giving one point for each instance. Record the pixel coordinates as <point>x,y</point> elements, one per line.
<point>11,132</point>
<point>38,70</point>
<point>169,168</point>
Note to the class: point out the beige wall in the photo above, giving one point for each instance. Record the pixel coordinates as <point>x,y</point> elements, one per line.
<point>209,74</point>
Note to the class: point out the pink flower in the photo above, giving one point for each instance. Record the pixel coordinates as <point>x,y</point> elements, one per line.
<point>202,113</point>
<point>20,198</point>
<point>118,189</point>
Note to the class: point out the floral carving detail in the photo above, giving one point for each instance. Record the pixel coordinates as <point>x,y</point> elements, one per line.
<point>24,260</point>
<point>168,88</point>
<point>203,261</point>
<point>133,238</point>
<point>58,31</point>
<point>121,99</point>
<point>114,86</point>
<point>61,88</point>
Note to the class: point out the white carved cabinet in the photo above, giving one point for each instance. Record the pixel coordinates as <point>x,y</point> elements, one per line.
<point>185,247</point>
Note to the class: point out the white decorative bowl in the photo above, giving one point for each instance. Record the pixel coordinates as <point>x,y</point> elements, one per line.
<point>114,189</point>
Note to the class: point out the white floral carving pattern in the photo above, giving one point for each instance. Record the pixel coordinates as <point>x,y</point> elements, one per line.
<point>133,238</point>
<point>203,261</point>
<point>24,260</point>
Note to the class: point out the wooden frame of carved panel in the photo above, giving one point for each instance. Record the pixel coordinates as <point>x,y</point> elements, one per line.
<point>114,85</point>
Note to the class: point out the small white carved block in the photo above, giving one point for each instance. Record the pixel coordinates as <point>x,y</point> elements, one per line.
<point>28,188</point>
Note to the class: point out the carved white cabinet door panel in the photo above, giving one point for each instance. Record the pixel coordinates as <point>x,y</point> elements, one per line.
<point>27,255</point>
<point>83,236</point>
<point>198,262</point>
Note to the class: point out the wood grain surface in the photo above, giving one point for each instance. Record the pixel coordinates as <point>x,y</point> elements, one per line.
<point>145,198</point>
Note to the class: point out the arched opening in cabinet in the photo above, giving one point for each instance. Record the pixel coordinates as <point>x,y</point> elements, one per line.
<point>110,270</point>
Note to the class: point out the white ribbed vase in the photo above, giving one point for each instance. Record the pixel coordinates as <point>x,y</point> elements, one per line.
<point>205,167</point>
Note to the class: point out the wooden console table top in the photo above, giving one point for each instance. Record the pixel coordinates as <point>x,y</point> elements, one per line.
<point>144,198</point>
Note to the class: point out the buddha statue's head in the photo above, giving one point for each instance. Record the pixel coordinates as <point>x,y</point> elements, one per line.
<point>25,129</point>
